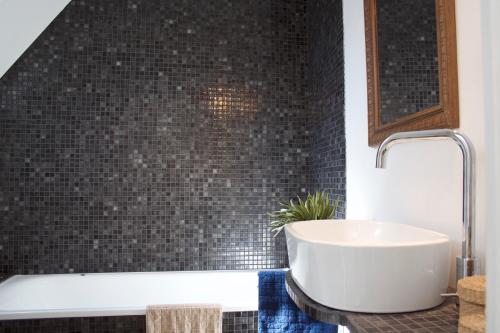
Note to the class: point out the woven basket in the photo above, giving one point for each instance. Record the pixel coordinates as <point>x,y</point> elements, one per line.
<point>472,324</point>
<point>472,294</point>
<point>467,309</point>
<point>473,289</point>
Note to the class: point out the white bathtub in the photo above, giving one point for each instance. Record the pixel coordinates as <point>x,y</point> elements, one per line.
<point>122,294</point>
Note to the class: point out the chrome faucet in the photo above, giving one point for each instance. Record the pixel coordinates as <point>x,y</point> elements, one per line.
<point>467,263</point>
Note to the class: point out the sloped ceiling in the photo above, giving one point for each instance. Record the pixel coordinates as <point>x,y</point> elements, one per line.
<point>21,22</point>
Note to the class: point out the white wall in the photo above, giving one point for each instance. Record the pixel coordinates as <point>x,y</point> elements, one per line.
<point>422,184</point>
<point>491,26</point>
<point>21,22</point>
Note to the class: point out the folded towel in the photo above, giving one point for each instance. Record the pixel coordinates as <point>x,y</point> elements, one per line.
<point>184,319</point>
<point>277,311</point>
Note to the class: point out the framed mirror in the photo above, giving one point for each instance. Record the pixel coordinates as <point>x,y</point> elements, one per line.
<point>411,66</point>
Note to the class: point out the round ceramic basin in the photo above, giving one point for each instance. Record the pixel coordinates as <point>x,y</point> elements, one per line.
<point>369,266</point>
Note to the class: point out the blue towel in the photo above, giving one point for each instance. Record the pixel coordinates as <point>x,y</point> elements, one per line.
<point>278,313</point>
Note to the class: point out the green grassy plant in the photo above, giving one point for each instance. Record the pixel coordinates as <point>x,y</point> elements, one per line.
<point>316,206</point>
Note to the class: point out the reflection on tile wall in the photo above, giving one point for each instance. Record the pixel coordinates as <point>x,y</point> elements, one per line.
<point>325,96</point>
<point>408,57</point>
<point>147,135</point>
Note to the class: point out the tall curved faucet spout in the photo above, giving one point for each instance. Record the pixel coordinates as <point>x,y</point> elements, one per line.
<point>467,263</point>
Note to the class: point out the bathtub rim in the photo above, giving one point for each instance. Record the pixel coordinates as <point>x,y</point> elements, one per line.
<point>52,313</point>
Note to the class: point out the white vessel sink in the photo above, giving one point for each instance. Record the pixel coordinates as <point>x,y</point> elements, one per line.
<point>369,266</point>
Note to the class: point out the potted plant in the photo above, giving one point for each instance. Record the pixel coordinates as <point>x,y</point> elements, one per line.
<point>316,206</point>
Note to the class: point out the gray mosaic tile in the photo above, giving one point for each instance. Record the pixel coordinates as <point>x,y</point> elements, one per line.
<point>153,135</point>
<point>232,322</point>
<point>325,99</point>
<point>129,324</point>
<point>145,135</point>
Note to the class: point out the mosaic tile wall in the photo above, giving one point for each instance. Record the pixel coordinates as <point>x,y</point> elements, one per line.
<point>232,322</point>
<point>409,71</point>
<point>155,135</point>
<point>148,135</point>
<point>325,96</point>
<point>129,324</point>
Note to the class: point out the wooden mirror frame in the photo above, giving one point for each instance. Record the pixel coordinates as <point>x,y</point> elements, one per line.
<point>443,115</point>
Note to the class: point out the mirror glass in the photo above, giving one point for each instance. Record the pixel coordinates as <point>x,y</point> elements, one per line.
<point>408,65</point>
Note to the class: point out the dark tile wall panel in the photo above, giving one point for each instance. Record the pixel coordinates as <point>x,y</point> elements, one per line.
<point>240,322</point>
<point>325,98</point>
<point>408,57</point>
<point>155,135</point>
<point>128,324</point>
<point>232,322</point>
<point>148,135</point>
